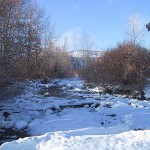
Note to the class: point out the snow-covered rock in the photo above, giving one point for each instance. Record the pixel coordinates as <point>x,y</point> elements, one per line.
<point>86,106</point>
<point>56,106</point>
<point>7,124</point>
<point>49,111</point>
<point>47,94</point>
<point>21,125</point>
<point>34,123</point>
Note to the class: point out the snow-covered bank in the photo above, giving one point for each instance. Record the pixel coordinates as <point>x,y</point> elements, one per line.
<point>132,140</point>
<point>78,118</point>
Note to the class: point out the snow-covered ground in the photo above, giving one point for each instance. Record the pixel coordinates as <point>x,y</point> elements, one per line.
<point>79,118</point>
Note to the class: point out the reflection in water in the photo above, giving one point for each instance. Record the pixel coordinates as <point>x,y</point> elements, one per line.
<point>8,135</point>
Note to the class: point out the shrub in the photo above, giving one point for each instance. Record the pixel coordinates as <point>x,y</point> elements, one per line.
<point>127,65</point>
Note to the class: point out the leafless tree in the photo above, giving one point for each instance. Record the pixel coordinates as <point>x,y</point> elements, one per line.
<point>135,33</point>
<point>27,41</point>
<point>22,28</point>
<point>9,17</point>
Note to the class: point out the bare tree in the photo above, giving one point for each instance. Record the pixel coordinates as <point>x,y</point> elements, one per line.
<point>22,28</point>
<point>134,32</point>
<point>27,40</point>
<point>86,45</point>
<point>9,16</point>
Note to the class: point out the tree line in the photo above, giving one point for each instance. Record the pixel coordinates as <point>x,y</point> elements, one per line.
<point>29,49</point>
<point>28,46</point>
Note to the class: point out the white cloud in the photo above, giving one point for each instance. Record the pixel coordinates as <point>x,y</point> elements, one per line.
<point>76,38</point>
<point>70,37</point>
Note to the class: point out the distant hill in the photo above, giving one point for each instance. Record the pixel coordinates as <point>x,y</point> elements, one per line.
<point>81,53</point>
<point>77,57</point>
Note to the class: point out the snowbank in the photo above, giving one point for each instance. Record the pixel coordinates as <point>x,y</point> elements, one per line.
<point>138,140</point>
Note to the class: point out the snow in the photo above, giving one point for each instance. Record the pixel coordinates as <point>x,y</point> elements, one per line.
<point>49,111</point>
<point>21,125</point>
<point>103,122</point>
<point>67,141</point>
<point>6,124</point>
<point>147,89</point>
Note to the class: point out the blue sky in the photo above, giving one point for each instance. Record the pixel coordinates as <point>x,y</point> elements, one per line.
<point>105,21</point>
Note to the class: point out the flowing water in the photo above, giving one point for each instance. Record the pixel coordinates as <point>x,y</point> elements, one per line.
<point>10,134</point>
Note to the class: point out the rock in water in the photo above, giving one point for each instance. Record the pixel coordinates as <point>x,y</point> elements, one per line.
<point>47,94</point>
<point>5,115</point>
<point>21,125</point>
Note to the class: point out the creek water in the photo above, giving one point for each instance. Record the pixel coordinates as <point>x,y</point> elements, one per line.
<point>10,134</point>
